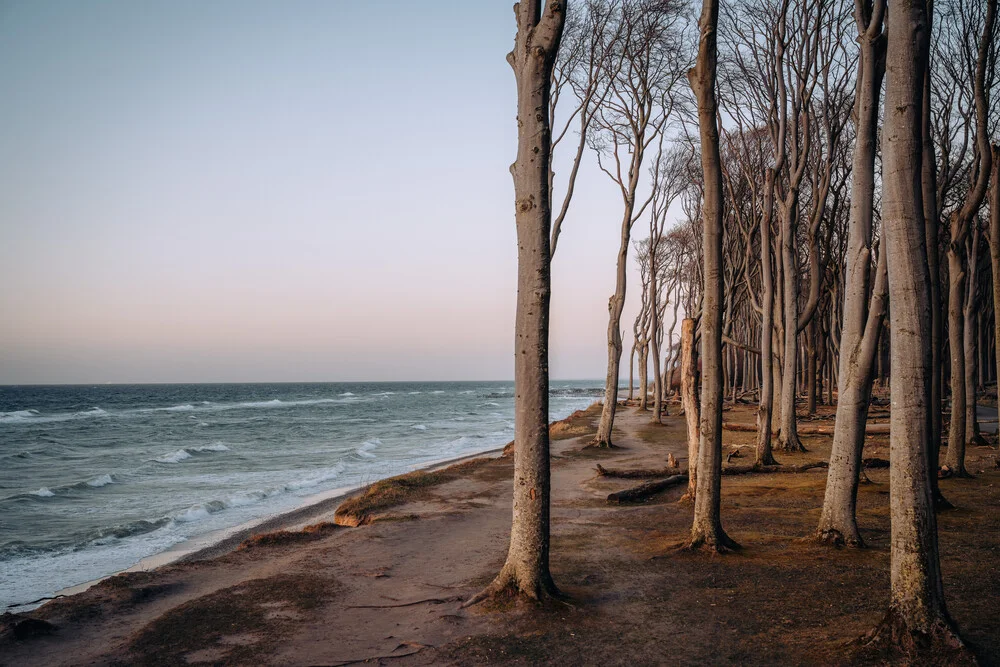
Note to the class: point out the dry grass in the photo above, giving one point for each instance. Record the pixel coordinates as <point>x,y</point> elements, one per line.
<point>371,503</point>
<point>235,625</point>
<point>310,533</point>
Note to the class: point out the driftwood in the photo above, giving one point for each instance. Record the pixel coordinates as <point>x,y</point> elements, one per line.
<point>639,493</point>
<point>803,429</point>
<point>744,470</point>
<point>639,473</point>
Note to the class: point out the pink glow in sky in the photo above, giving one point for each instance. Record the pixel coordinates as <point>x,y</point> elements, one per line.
<point>271,191</point>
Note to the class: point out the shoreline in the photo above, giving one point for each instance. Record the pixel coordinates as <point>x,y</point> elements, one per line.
<point>216,543</point>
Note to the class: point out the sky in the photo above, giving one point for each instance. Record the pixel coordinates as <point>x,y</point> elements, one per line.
<point>250,191</point>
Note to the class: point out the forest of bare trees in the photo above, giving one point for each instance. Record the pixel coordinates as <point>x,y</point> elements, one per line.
<point>810,192</point>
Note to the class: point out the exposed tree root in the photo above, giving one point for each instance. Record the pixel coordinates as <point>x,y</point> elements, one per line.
<point>406,604</point>
<point>602,444</point>
<point>977,440</point>
<point>417,648</point>
<point>640,473</point>
<point>791,443</point>
<point>837,538</point>
<point>715,541</point>
<point>643,491</point>
<point>894,640</point>
<point>506,589</point>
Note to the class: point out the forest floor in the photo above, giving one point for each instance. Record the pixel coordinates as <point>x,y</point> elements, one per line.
<point>390,591</point>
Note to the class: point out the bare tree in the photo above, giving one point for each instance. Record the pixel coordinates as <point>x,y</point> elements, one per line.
<point>961,220</point>
<point>646,61</point>
<point>917,621</point>
<point>578,67</point>
<point>526,571</point>
<point>706,529</point>
<point>862,322</point>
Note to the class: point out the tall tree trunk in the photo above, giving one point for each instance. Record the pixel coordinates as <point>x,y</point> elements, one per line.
<point>763,455</point>
<point>928,184</point>
<point>961,221</point>
<point>526,570</point>
<point>788,438</point>
<point>917,621</point>
<point>862,324</point>
<point>706,529</point>
<point>616,304</point>
<point>995,248</point>
<point>971,350</point>
<point>643,375</point>
<point>631,377</point>
<point>689,401</point>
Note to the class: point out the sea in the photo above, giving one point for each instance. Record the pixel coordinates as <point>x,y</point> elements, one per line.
<point>94,479</point>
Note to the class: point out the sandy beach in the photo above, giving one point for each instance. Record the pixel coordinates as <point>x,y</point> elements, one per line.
<point>391,589</point>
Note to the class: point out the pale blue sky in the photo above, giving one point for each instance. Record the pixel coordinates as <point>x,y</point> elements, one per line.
<point>244,190</point>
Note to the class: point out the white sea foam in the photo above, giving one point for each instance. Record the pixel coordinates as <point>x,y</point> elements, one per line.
<point>43,492</point>
<point>420,427</point>
<point>366,448</point>
<point>103,480</point>
<point>17,416</point>
<point>314,480</point>
<point>188,452</point>
<point>214,447</point>
<point>174,457</point>
<point>346,393</point>
<point>187,407</point>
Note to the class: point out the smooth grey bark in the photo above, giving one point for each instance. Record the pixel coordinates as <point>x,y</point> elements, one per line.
<point>862,323</point>
<point>932,234</point>
<point>788,437</point>
<point>526,570</point>
<point>763,451</point>
<point>706,529</point>
<point>970,314</point>
<point>961,221</point>
<point>689,401</point>
<point>995,246</point>
<point>917,620</point>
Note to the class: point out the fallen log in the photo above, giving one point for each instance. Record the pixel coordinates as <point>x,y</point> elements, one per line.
<point>804,429</point>
<point>744,470</point>
<point>639,493</point>
<point>625,473</point>
<point>874,462</point>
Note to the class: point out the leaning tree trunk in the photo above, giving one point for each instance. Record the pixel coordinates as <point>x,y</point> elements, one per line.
<point>763,454</point>
<point>917,621</point>
<point>961,220</point>
<point>861,324</point>
<point>526,571</point>
<point>615,307</point>
<point>706,530</point>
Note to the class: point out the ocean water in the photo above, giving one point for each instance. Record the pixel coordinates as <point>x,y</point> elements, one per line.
<point>95,478</point>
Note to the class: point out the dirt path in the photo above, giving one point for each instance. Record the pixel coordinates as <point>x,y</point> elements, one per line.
<point>391,591</point>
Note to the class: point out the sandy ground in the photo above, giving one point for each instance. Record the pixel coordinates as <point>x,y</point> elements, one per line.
<point>390,592</point>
